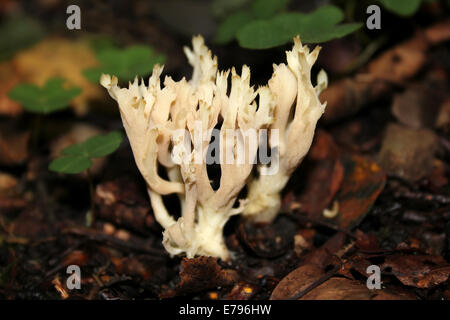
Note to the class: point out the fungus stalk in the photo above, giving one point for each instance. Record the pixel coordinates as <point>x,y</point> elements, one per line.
<point>172,128</point>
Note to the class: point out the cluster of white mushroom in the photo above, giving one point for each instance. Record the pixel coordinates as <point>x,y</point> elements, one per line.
<point>151,114</point>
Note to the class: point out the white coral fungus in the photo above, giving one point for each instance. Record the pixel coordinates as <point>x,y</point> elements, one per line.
<point>289,105</point>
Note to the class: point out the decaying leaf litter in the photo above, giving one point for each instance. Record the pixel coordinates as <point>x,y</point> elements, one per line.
<point>378,167</point>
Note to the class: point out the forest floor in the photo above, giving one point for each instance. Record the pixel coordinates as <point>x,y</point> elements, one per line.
<point>380,164</point>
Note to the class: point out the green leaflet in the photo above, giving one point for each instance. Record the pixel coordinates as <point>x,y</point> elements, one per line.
<point>125,63</point>
<point>264,9</point>
<point>230,26</point>
<point>318,26</point>
<point>402,7</point>
<point>259,9</point>
<point>53,96</point>
<point>70,164</point>
<point>77,158</point>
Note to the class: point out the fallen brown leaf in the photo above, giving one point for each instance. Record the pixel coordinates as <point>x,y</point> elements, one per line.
<point>339,289</point>
<point>323,146</point>
<point>326,254</point>
<point>296,281</point>
<point>322,183</point>
<point>363,182</point>
<point>421,271</point>
<point>346,289</point>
